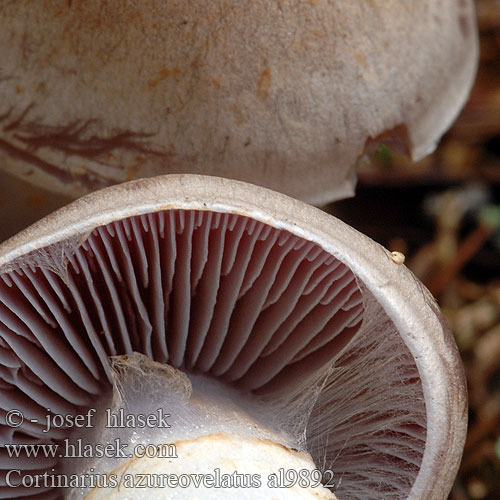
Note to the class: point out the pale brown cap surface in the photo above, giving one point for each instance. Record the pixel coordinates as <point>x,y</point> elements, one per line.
<point>282,94</point>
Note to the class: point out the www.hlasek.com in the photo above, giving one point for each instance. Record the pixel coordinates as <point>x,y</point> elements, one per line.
<point>80,449</point>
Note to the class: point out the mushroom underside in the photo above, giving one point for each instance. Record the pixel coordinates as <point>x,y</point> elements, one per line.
<point>223,295</point>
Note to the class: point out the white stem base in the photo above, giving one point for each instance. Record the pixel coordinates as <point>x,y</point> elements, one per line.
<point>218,466</point>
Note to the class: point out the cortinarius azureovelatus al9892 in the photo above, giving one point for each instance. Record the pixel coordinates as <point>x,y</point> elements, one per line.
<point>284,94</point>
<point>274,336</point>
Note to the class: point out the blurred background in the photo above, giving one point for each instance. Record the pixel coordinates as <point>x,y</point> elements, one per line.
<point>443,213</point>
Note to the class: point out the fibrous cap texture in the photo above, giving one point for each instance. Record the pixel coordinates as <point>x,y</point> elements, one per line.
<point>283,94</point>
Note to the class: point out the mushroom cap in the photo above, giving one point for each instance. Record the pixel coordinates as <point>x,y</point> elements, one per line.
<point>280,94</point>
<point>253,288</point>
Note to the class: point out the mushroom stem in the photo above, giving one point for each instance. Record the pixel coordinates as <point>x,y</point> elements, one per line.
<point>172,436</point>
<point>256,470</point>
